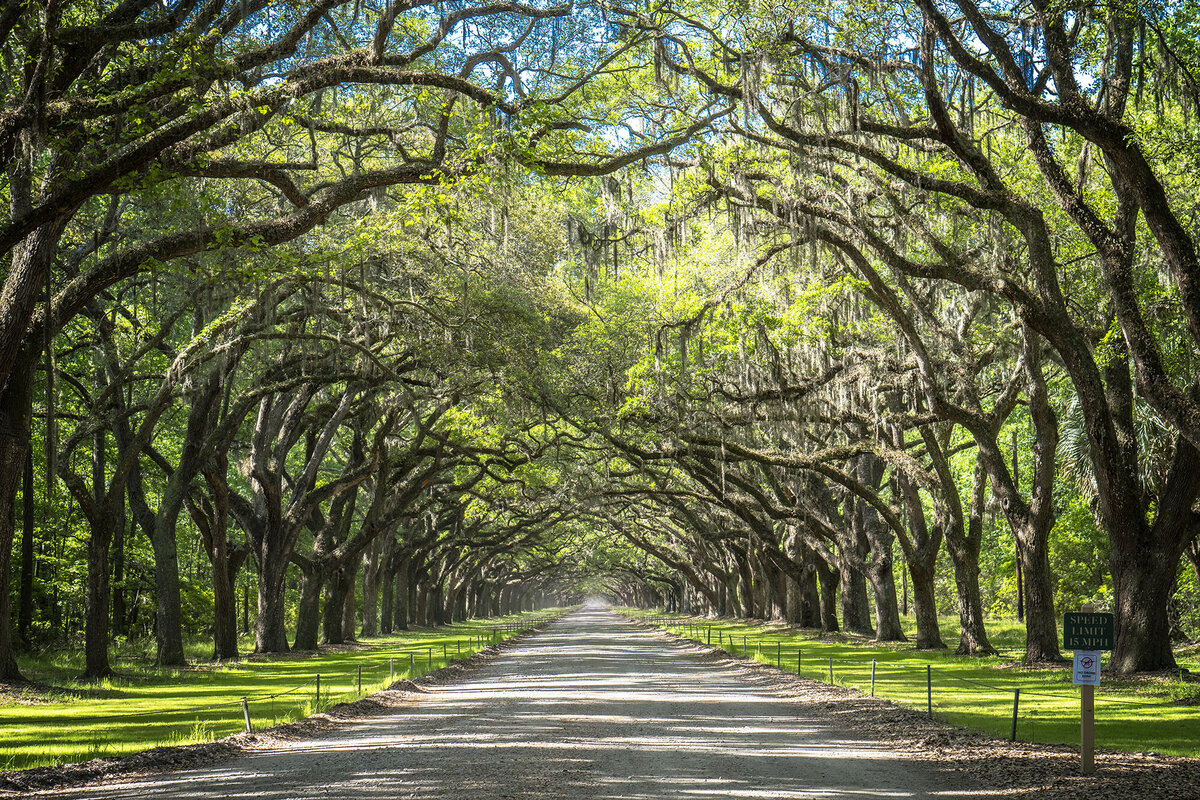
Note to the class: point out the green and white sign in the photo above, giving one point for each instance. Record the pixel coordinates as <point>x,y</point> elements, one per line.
<point>1087,630</point>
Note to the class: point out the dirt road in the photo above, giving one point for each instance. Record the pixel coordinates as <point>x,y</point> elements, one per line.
<point>593,707</point>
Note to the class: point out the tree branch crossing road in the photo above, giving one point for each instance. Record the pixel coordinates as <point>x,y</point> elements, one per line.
<point>592,707</point>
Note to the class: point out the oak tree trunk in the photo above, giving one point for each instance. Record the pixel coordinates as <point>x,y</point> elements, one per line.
<point>924,605</point>
<point>15,411</point>
<point>1041,624</point>
<point>270,630</point>
<point>308,609</point>
<point>96,621</point>
<point>828,580</point>
<point>887,607</point>
<point>856,610</point>
<point>400,607</point>
<point>349,603</point>
<point>25,596</point>
<point>973,638</point>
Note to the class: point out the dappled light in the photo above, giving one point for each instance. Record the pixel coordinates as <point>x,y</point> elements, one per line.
<point>341,339</point>
<point>592,708</point>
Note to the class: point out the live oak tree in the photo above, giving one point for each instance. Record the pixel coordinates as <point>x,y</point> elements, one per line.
<point>484,303</point>
<point>859,111</point>
<point>252,102</point>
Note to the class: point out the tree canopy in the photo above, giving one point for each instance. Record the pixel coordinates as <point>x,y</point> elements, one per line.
<point>391,313</point>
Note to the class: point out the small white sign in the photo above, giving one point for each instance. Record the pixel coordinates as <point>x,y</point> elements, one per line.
<point>1087,668</point>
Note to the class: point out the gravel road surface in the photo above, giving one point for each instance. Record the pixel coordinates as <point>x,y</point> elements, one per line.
<point>592,707</point>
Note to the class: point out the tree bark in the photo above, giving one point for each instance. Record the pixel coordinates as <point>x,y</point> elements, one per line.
<point>224,565</point>
<point>15,416</point>
<point>1144,566</point>
<point>745,585</point>
<point>373,569</point>
<point>434,605</point>
<point>412,596</point>
<point>856,610</point>
<point>118,577</point>
<point>1041,625</point>
<point>400,607</point>
<point>308,610</point>
<point>880,540</point>
<point>387,581</point>
<point>245,609</point>
<point>102,525</point>
<point>778,594</point>
<point>225,638</point>
<point>25,596</point>
<point>270,629</point>
<point>973,639</point>
<point>96,631</point>
<point>887,608</point>
<point>794,600</point>
<point>828,579</point>
<point>924,606</point>
<point>349,603</point>
<point>921,559</point>
<point>168,627</point>
<point>334,607</point>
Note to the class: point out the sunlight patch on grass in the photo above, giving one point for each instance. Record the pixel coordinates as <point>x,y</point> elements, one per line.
<point>144,706</point>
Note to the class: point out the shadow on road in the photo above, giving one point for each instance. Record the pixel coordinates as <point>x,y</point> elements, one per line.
<point>594,707</point>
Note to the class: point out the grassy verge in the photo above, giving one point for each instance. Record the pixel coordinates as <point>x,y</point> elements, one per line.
<point>144,707</point>
<point>1155,713</point>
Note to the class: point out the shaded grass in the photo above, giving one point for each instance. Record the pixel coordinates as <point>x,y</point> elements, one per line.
<point>1159,713</point>
<point>143,707</point>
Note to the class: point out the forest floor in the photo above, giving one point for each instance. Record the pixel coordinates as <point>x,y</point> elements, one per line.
<point>596,706</point>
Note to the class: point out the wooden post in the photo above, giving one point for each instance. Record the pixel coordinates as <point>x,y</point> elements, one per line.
<point>778,654</point>
<point>929,689</point>
<point>799,656</point>
<point>1087,720</point>
<point>412,664</point>
<point>1087,728</point>
<point>872,677</point>
<point>831,670</point>
<point>246,714</point>
<point>1016,705</point>
<point>391,670</point>
<point>359,684</point>
<point>318,706</point>
<point>431,659</point>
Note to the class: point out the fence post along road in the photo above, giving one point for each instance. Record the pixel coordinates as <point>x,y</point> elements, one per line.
<point>1087,633</point>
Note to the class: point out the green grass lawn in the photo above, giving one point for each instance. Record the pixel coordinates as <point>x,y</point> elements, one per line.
<point>144,707</point>
<point>1156,713</point>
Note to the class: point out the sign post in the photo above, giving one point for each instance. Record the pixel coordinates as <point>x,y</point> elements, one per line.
<point>1087,633</point>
